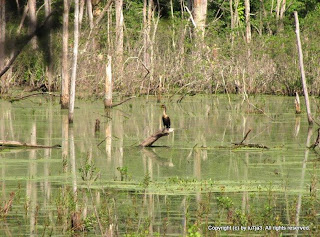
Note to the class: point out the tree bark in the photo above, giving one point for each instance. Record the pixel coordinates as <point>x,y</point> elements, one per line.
<point>119,33</point>
<point>90,15</point>
<point>81,10</point>
<point>32,21</point>
<point>2,41</point>
<point>49,67</point>
<point>108,85</point>
<point>64,100</point>
<point>248,24</point>
<point>154,137</point>
<point>303,77</point>
<point>199,15</point>
<point>281,15</point>
<point>74,61</point>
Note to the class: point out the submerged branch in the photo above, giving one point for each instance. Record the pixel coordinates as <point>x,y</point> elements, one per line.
<point>23,144</point>
<point>26,96</point>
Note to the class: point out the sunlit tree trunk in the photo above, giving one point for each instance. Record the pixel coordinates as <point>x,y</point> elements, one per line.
<point>74,61</point>
<point>90,15</point>
<point>81,10</point>
<point>65,71</point>
<point>49,68</point>
<point>32,21</point>
<point>248,24</point>
<point>199,12</point>
<point>119,34</point>
<point>2,41</point>
<point>281,15</point>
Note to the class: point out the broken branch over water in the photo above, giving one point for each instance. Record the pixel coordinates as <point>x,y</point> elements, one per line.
<point>250,145</point>
<point>23,144</point>
<point>26,96</point>
<point>153,138</point>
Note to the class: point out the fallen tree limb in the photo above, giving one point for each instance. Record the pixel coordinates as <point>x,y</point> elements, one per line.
<point>121,102</point>
<point>250,145</point>
<point>26,41</point>
<point>153,138</point>
<point>23,144</point>
<point>26,96</point>
<point>316,143</point>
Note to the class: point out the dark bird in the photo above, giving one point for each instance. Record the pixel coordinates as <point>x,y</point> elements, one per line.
<point>165,117</point>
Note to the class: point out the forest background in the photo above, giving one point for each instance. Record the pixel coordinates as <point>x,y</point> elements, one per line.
<point>161,46</point>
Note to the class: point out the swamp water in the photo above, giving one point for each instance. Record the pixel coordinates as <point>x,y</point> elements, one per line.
<point>194,179</point>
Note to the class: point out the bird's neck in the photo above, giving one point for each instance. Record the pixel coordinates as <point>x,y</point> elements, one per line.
<point>164,112</point>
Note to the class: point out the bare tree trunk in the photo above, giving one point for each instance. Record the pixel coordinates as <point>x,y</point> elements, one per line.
<point>89,11</point>
<point>108,85</point>
<point>231,21</point>
<point>303,77</point>
<point>281,15</point>
<point>199,16</point>
<point>119,35</point>
<point>74,61</point>
<point>65,70</point>
<point>248,24</point>
<point>33,21</point>
<point>146,32</point>
<point>2,41</point>
<point>81,12</point>
<point>24,15</point>
<point>49,67</point>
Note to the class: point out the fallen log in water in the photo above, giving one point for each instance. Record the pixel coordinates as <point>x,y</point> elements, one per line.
<point>153,138</point>
<point>23,144</point>
<point>250,145</point>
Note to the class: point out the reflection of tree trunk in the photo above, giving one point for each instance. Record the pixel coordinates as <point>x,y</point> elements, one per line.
<point>32,21</point>
<point>47,154</point>
<point>74,61</point>
<point>31,184</point>
<point>108,139</point>
<point>72,156</point>
<point>304,166</point>
<point>65,69</point>
<point>65,137</point>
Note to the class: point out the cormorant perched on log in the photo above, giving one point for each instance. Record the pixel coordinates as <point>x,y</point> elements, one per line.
<point>165,117</point>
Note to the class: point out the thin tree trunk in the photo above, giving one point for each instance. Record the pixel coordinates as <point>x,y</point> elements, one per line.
<point>119,35</point>
<point>248,24</point>
<point>303,77</point>
<point>2,42</point>
<point>24,15</point>
<point>281,15</point>
<point>74,61</point>
<point>81,10</point>
<point>32,21</point>
<point>199,16</point>
<point>65,70</point>
<point>146,56</point>
<point>49,68</point>
<point>90,15</point>
<point>108,85</point>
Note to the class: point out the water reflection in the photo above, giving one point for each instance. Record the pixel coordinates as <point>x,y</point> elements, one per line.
<point>199,150</point>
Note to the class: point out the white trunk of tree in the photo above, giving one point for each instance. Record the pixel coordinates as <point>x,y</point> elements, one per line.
<point>119,33</point>
<point>32,21</point>
<point>108,84</point>
<point>81,10</point>
<point>303,77</point>
<point>199,15</point>
<point>2,42</point>
<point>74,61</point>
<point>65,70</point>
<point>49,67</point>
<point>90,15</point>
<point>248,24</point>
